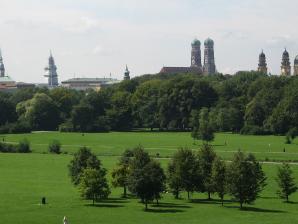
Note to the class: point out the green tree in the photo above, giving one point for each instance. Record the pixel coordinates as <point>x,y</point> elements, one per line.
<point>183,172</point>
<point>41,112</point>
<point>121,173</point>
<point>219,178</point>
<point>246,178</point>
<point>93,184</point>
<point>286,182</point>
<point>206,158</point>
<point>148,182</point>
<point>82,159</point>
<point>82,117</point>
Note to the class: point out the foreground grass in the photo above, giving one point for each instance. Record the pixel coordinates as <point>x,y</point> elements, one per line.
<point>164,143</point>
<point>24,179</point>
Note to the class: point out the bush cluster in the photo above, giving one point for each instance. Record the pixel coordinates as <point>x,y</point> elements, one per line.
<point>22,147</point>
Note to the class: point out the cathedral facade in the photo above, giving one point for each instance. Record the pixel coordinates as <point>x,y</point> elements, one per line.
<point>262,67</point>
<point>196,67</point>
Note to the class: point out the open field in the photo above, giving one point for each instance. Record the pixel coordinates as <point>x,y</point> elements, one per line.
<point>264,147</point>
<point>25,178</point>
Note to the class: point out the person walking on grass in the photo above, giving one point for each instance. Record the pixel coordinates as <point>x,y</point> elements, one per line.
<point>65,220</point>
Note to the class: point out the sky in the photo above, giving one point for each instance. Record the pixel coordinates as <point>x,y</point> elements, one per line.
<point>93,38</point>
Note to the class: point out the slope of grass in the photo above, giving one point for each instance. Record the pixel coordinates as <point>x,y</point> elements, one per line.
<point>25,179</point>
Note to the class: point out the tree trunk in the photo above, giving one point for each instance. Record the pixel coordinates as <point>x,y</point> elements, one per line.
<point>209,195</point>
<point>222,201</point>
<point>124,192</point>
<point>177,195</point>
<point>146,205</point>
<point>287,198</point>
<point>241,204</point>
<point>188,195</point>
<point>157,202</point>
<point>93,200</point>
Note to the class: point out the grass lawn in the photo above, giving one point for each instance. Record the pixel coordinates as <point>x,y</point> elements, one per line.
<point>164,143</point>
<point>25,178</point>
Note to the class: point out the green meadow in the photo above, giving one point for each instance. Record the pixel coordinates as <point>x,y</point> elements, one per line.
<point>26,178</point>
<point>163,143</point>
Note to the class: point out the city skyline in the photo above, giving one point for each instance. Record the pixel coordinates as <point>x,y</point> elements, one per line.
<point>100,38</point>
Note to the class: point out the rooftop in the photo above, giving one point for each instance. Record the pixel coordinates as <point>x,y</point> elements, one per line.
<point>6,79</point>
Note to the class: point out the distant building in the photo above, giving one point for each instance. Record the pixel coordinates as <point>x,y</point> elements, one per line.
<point>2,67</point>
<point>126,74</point>
<point>52,73</point>
<point>209,60</point>
<point>285,64</point>
<point>196,60</point>
<point>296,66</point>
<point>6,83</point>
<point>88,83</point>
<point>262,67</point>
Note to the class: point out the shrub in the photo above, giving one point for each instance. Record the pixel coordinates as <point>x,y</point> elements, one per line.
<point>55,147</point>
<point>7,148</point>
<point>24,146</point>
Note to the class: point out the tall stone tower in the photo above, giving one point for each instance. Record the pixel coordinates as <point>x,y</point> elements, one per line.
<point>2,68</point>
<point>196,59</point>
<point>262,63</point>
<point>52,72</point>
<point>126,74</point>
<point>286,64</point>
<point>209,61</point>
<point>296,66</point>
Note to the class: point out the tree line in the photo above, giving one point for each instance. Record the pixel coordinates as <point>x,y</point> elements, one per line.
<point>187,171</point>
<point>247,103</point>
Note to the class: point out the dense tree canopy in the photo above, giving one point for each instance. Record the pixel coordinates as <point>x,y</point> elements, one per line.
<point>247,102</point>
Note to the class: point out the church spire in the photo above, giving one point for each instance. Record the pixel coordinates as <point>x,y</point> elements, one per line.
<point>126,74</point>
<point>2,68</point>
<point>262,63</point>
<point>52,72</point>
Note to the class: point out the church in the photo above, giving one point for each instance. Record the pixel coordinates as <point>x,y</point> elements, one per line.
<point>286,69</point>
<point>196,67</point>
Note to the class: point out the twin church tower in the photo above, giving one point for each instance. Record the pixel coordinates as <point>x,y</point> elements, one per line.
<point>209,61</point>
<point>196,67</point>
<point>285,64</point>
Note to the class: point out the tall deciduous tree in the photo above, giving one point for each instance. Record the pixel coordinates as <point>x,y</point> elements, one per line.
<point>83,159</point>
<point>246,178</point>
<point>286,182</point>
<point>206,157</point>
<point>93,184</point>
<point>120,174</point>
<point>183,172</point>
<point>146,179</point>
<point>219,178</point>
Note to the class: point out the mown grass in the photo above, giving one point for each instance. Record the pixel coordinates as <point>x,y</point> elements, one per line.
<point>164,143</point>
<point>26,178</point>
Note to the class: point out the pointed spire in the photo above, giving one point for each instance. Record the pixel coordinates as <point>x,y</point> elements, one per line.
<point>126,74</point>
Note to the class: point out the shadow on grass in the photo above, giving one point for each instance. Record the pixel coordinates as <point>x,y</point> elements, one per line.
<point>291,202</point>
<point>99,205</point>
<point>114,200</point>
<point>269,197</point>
<point>170,205</point>
<point>163,210</point>
<point>211,201</point>
<point>252,209</point>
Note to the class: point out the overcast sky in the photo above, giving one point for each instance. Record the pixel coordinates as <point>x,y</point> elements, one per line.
<point>93,38</point>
